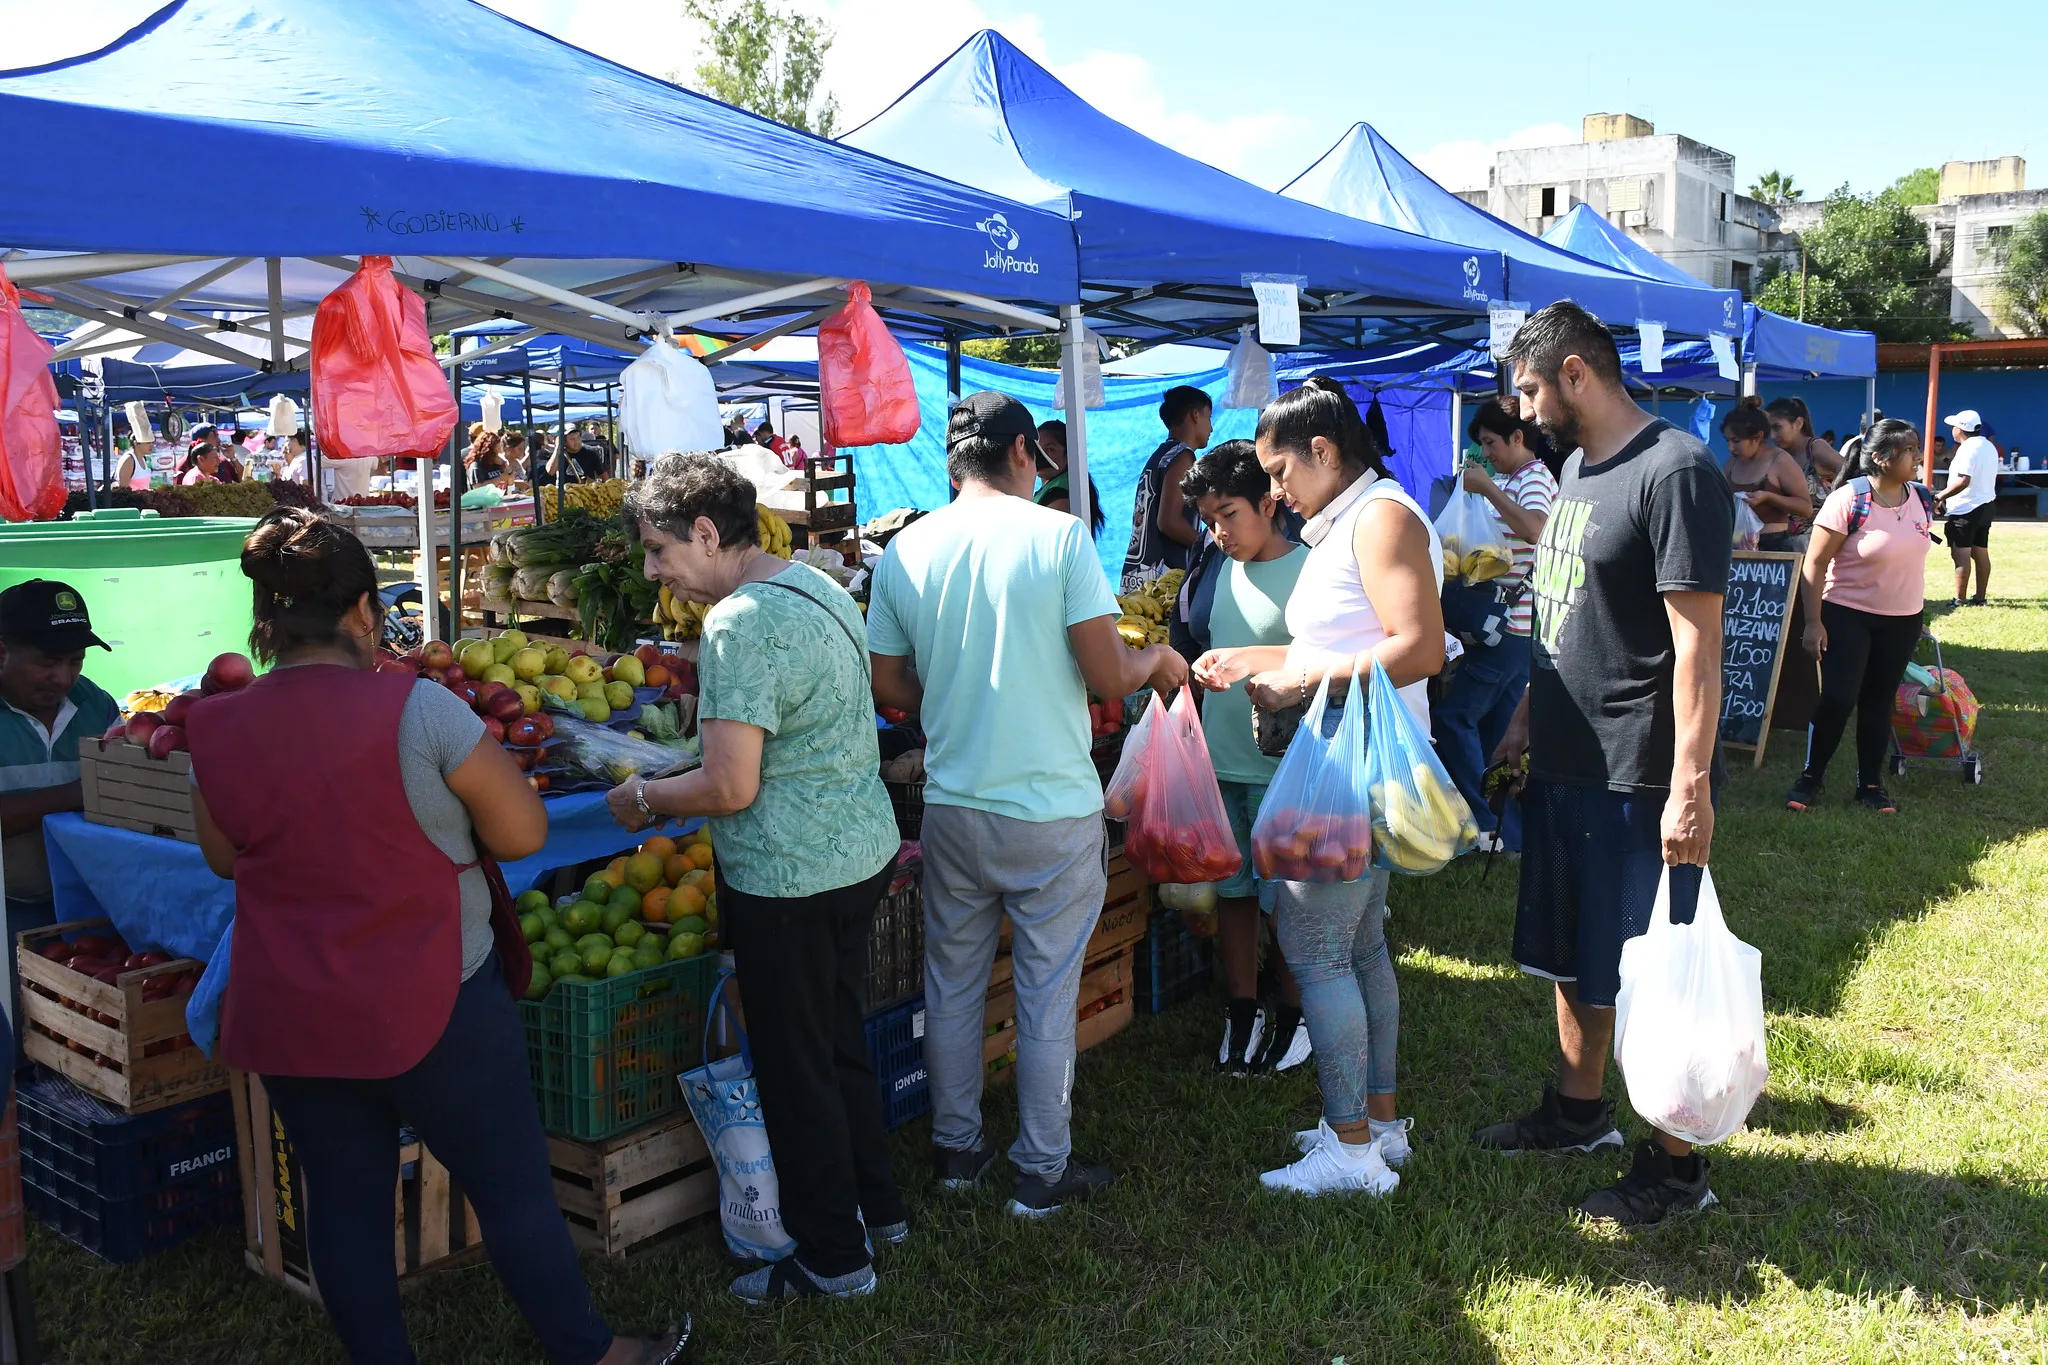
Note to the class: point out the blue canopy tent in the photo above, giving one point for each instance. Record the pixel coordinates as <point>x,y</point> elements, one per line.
<point>1585,233</point>
<point>1365,177</point>
<point>1169,245</point>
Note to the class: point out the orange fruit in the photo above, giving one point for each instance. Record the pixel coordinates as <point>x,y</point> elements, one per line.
<point>614,877</point>
<point>700,856</point>
<point>643,871</point>
<point>675,867</point>
<point>698,878</point>
<point>660,846</point>
<point>654,905</point>
<point>684,902</point>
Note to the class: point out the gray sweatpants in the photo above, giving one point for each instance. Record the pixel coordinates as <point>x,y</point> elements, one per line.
<point>1049,879</point>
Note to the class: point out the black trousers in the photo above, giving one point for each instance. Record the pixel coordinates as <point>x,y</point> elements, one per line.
<point>1865,659</point>
<point>803,967</point>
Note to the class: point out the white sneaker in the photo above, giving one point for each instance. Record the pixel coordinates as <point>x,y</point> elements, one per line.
<point>1331,1167</point>
<point>1391,1137</point>
<point>1298,1049</point>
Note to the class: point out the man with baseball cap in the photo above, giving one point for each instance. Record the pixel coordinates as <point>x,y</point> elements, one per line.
<point>1969,500</point>
<point>991,621</point>
<point>47,707</point>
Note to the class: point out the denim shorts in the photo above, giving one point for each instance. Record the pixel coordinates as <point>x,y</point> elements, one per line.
<point>1241,802</point>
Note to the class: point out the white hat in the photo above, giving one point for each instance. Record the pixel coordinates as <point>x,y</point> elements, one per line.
<point>1967,420</point>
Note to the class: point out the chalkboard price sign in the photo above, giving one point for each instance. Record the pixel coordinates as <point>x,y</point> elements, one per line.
<point>1754,616</point>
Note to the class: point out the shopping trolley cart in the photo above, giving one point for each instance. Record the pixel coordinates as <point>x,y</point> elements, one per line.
<point>1934,719</point>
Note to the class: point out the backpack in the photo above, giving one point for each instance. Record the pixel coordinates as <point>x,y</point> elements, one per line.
<point>1859,502</point>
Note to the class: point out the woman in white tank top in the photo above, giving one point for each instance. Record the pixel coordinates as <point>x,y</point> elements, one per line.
<point>1369,591</point>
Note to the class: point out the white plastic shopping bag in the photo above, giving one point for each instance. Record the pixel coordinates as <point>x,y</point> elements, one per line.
<point>727,1107</point>
<point>1689,1021</point>
<point>1249,382</point>
<point>667,402</point>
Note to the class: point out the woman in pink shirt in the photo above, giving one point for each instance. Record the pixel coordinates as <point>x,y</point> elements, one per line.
<point>1867,564</point>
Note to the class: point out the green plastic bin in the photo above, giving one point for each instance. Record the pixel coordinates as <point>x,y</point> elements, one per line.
<point>166,592</point>
<point>605,1054</point>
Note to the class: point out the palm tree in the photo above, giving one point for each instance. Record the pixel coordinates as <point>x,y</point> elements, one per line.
<point>1776,187</point>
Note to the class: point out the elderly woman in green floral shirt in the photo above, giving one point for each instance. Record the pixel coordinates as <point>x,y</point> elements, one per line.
<point>805,840</point>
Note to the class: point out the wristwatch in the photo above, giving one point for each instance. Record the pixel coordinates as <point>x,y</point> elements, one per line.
<point>640,800</point>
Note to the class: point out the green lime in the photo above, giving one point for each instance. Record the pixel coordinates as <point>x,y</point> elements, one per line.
<point>583,917</point>
<point>682,945</point>
<point>629,933</point>
<point>627,897</point>
<point>558,938</point>
<point>531,927</point>
<point>565,964</point>
<point>620,964</point>
<point>596,957</point>
<point>649,953</point>
<point>597,889</point>
<point>531,902</point>
<point>549,916</point>
<point>615,915</point>
<point>591,940</point>
<point>540,984</point>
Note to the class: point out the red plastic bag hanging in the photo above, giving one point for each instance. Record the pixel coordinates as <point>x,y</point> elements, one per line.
<point>31,447</point>
<point>864,383</point>
<point>377,389</point>
<point>1179,831</point>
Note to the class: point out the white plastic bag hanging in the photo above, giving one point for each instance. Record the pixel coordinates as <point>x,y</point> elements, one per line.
<point>667,402</point>
<point>1689,1021</point>
<point>1249,382</point>
<point>1748,525</point>
<point>1091,376</point>
<point>1474,547</point>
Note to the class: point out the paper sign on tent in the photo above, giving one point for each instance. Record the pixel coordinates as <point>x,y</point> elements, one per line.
<point>1724,355</point>
<point>1650,346</point>
<point>1279,313</point>
<point>1501,326</point>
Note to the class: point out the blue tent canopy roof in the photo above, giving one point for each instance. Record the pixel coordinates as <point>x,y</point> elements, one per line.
<point>1783,346</point>
<point>1365,177</point>
<point>1146,215</point>
<point>1585,233</point>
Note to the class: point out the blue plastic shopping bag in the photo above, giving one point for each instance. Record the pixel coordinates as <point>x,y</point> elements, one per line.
<point>1419,819</point>
<point>1315,824</point>
<point>727,1107</point>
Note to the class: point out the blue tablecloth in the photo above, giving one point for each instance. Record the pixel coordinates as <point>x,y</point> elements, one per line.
<point>163,897</point>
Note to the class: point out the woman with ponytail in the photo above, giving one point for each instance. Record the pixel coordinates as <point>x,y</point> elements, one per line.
<point>373,969</point>
<point>1369,591</point>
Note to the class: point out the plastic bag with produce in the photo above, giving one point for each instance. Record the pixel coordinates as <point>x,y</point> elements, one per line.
<point>864,383</point>
<point>1748,525</point>
<point>377,389</point>
<point>1315,824</point>
<point>1419,820</point>
<point>588,754</point>
<point>1474,547</point>
<point>1179,831</point>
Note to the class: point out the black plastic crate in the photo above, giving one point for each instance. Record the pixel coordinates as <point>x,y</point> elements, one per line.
<point>124,1230</point>
<point>115,1155</point>
<point>907,798</point>
<point>896,1047</point>
<point>896,940</point>
<point>1173,965</point>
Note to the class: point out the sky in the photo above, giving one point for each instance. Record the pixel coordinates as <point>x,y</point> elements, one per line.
<point>1822,91</point>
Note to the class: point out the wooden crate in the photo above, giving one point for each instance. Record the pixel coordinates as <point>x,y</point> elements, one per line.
<point>433,1225</point>
<point>1105,1002</point>
<point>128,789</point>
<point>131,1052</point>
<point>620,1192</point>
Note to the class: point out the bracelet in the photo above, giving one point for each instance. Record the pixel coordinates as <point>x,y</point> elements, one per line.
<point>1301,687</point>
<point>640,799</point>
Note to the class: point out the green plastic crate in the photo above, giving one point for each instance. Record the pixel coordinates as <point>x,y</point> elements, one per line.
<point>605,1054</point>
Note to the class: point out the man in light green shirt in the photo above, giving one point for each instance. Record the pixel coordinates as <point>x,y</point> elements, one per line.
<point>991,621</point>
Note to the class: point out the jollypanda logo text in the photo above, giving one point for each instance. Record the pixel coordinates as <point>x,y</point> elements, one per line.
<point>1005,240</point>
<point>1472,289</point>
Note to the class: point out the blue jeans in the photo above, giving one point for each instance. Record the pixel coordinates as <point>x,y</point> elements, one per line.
<point>1473,716</point>
<point>1334,938</point>
<point>470,1099</point>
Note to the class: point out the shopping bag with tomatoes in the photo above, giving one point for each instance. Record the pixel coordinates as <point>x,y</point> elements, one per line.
<point>1315,824</point>
<point>864,383</point>
<point>1179,831</point>
<point>377,389</point>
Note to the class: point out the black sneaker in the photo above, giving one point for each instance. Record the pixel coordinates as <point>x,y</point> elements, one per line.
<point>1286,1043</point>
<point>1034,1196</point>
<point>1243,1023</point>
<point>1805,793</point>
<point>1548,1130</point>
<point>958,1169</point>
<point>1874,798</point>
<point>1649,1191</point>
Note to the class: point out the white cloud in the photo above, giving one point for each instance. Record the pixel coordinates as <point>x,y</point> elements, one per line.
<point>1464,165</point>
<point>38,33</point>
<point>1124,86</point>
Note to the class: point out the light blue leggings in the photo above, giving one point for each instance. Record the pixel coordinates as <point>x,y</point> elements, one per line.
<point>1334,936</point>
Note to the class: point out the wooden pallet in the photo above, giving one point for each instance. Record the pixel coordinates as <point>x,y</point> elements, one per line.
<point>132,1053</point>
<point>433,1225</point>
<point>126,788</point>
<point>620,1192</point>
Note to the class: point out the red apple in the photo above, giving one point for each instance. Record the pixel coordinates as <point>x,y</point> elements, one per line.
<point>180,707</point>
<point>525,731</point>
<point>648,655</point>
<point>504,704</point>
<point>465,690</point>
<point>436,654</point>
<point>434,675</point>
<point>488,689</point>
<point>116,733</point>
<point>495,728</point>
<point>166,740</point>
<point>455,676</point>
<point>227,673</point>
<point>141,725</point>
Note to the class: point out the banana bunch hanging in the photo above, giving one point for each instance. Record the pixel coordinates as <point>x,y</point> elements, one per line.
<point>679,620</point>
<point>601,499</point>
<point>775,535</point>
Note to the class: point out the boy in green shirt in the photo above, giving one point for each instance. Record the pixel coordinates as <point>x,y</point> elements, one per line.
<point>1231,602</point>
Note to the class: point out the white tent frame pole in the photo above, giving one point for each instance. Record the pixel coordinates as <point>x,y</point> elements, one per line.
<point>756,300</point>
<point>540,289</point>
<point>1869,401</point>
<point>157,331</point>
<point>273,280</point>
<point>1022,317</point>
<point>1075,337</point>
<point>108,299</point>
<point>1457,430</point>
<point>451,360</point>
<point>41,270</point>
<point>71,347</point>
<point>795,324</point>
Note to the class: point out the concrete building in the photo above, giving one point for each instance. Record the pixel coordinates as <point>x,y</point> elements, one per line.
<point>1981,203</point>
<point>1675,195</point>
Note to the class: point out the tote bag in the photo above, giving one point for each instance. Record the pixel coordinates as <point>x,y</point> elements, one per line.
<point>727,1107</point>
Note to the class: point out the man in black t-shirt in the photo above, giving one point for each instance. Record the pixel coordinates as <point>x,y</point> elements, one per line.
<point>1619,723</point>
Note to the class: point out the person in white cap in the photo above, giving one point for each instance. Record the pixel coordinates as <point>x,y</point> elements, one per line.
<point>1968,501</point>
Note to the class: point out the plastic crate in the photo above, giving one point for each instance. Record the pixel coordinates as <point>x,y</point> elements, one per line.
<point>896,940</point>
<point>896,1047</point>
<point>604,1054</point>
<point>124,1230</point>
<point>908,800</point>
<point>94,1145</point>
<point>1173,965</point>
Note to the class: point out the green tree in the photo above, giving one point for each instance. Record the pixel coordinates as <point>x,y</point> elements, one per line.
<point>1918,187</point>
<point>2023,284</point>
<point>1775,187</point>
<point>766,60</point>
<point>1038,349</point>
<point>1868,266</point>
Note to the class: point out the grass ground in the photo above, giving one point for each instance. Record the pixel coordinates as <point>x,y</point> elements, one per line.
<point>1889,1201</point>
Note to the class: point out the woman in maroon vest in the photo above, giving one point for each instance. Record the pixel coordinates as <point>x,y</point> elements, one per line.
<point>351,808</point>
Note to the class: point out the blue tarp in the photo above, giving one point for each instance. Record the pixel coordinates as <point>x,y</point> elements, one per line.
<point>442,127</point>
<point>128,379</point>
<point>1364,177</point>
<point>990,116</point>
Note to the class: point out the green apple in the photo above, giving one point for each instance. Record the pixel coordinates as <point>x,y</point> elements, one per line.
<point>502,650</point>
<point>529,696</point>
<point>558,659</point>
<point>596,712</point>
